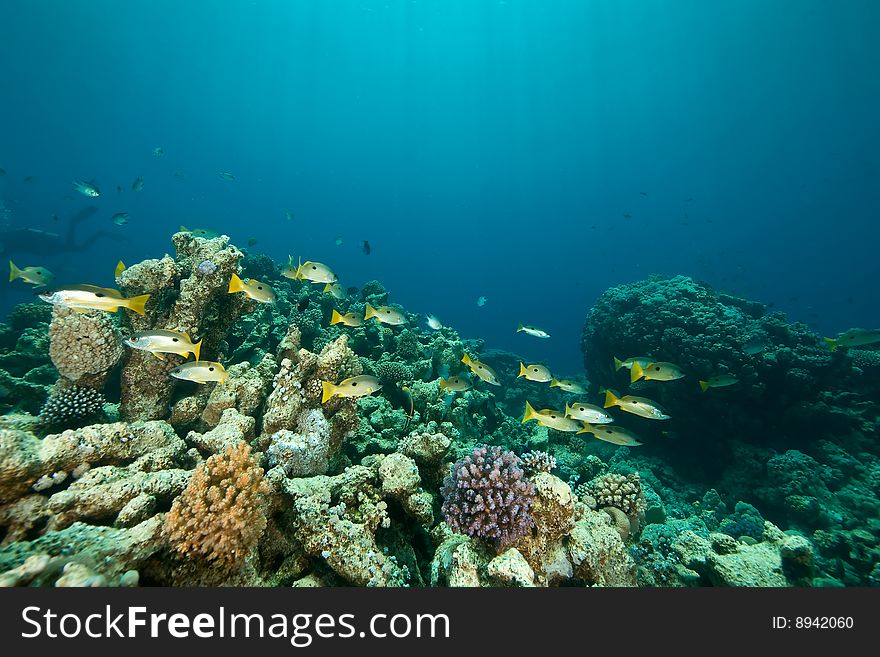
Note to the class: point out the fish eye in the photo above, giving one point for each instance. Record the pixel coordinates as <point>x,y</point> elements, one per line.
<point>259,287</point>
<point>314,267</point>
<point>99,294</point>
<point>657,368</point>
<point>354,384</point>
<point>174,340</point>
<point>210,369</point>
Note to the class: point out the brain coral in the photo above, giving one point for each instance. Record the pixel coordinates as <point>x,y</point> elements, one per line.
<point>222,513</point>
<point>488,496</point>
<point>83,345</point>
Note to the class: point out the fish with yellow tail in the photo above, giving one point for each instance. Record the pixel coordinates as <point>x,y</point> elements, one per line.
<point>643,361</point>
<point>163,341</point>
<point>655,372</point>
<point>253,289</point>
<point>335,290</point>
<point>315,272</point>
<point>120,267</point>
<point>454,384</point>
<point>588,413</point>
<point>854,338</point>
<point>200,371</point>
<point>355,386</point>
<point>36,276</point>
<point>482,370</point>
<point>92,297</point>
<point>720,381</point>
<point>568,386</point>
<point>289,270</point>
<point>535,372</point>
<point>551,418</point>
<point>385,315</point>
<point>612,434</point>
<point>636,405</point>
<point>348,319</point>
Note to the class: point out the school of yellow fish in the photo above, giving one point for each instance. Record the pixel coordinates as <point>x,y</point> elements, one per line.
<point>577,417</point>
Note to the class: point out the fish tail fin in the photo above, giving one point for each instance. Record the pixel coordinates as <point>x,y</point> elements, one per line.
<point>522,370</point>
<point>137,303</point>
<point>327,287</point>
<point>617,363</point>
<point>530,413</point>
<point>443,384</point>
<point>235,284</point>
<point>120,267</point>
<point>610,399</point>
<point>704,386</point>
<point>197,347</point>
<point>466,359</point>
<point>14,272</point>
<point>831,343</point>
<point>588,428</point>
<point>183,229</point>
<point>519,328</point>
<point>335,317</point>
<point>369,312</point>
<point>636,373</point>
<point>567,409</point>
<point>329,391</point>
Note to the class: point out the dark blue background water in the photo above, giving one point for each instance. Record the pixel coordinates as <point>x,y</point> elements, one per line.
<point>483,148</point>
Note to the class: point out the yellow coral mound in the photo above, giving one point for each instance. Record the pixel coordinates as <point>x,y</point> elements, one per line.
<point>222,513</point>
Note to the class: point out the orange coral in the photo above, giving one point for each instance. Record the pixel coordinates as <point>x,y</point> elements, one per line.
<point>222,513</point>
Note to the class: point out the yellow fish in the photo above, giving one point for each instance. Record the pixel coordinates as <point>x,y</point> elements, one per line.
<point>36,276</point>
<point>348,319</point>
<point>335,290</point>
<point>644,361</point>
<point>588,413</point>
<point>719,381</point>
<point>636,405</point>
<point>316,272</point>
<point>92,297</point>
<point>482,370</point>
<point>253,289</point>
<point>385,314</point>
<point>120,267</point>
<point>854,338</point>
<point>289,270</point>
<point>537,373</point>
<point>200,371</point>
<point>568,386</point>
<point>655,372</point>
<point>612,434</point>
<point>551,418</point>
<point>162,341</point>
<point>355,386</point>
<point>454,384</point>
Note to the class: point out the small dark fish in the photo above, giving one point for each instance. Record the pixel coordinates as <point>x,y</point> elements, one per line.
<point>179,175</point>
<point>138,184</point>
<point>226,175</point>
<point>352,291</point>
<point>303,304</point>
<point>54,217</point>
<point>689,199</point>
<point>643,193</point>
<point>2,172</point>
<point>120,218</point>
<point>28,179</point>
<point>593,227</point>
<point>118,189</point>
<point>409,402</point>
<point>627,216</point>
<point>365,247</point>
<point>251,241</point>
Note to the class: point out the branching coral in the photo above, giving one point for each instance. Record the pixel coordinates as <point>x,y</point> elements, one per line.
<point>71,406</point>
<point>487,496</point>
<point>221,514</point>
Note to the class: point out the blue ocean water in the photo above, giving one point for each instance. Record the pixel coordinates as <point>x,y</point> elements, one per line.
<point>534,153</point>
